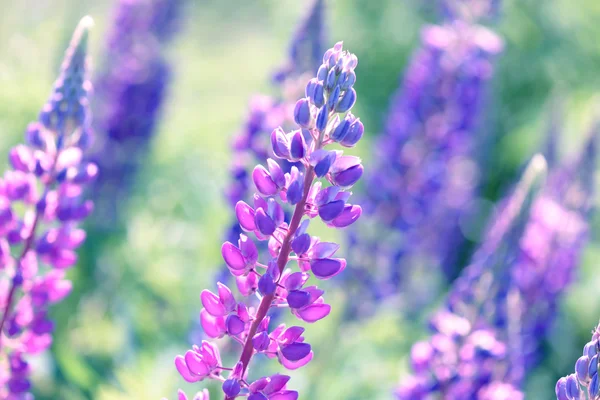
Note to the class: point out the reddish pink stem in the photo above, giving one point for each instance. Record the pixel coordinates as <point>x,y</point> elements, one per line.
<point>282,261</point>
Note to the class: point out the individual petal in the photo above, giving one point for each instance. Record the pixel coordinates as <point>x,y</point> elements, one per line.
<point>261,341</point>
<point>325,268</point>
<point>322,161</point>
<point>257,396</point>
<point>285,395</point>
<point>297,146</point>
<point>340,131</point>
<point>296,190</point>
<point>231,387</point>
<point>276,383</point>
<point>196,365</point>
<point>295,351</point>
<point>324,250</point>
<point>276,172</point>
<point>266,285</point>
<point>354,134</point>
<point>245,216</point>
<point>348,216</point>
<point>301,243</point>
<point>263,181</point>
<point>332,210</point>
<point>226,297</point>
<point>581,368</point>
<point>264,223</point>
<point>210,354</point>
<point>233,258</point>
<point>184,370</point>
<point>322,118</point>
<point>346,102</point>
<point>314,312</point>
<point>235,325</point>
<point>302,114</point>
<point>248,250</point>
<point>298,298</point>
<point>212,304</point>
<point>295,280</point>
<point>291,365</point>
<point>279,143</point>
<point>318,95</point>
<point>214,327</point>
<point>573,387</point>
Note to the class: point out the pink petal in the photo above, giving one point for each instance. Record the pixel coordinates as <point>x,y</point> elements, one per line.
<point>314,312</point>
<point>196,364</point>
<point>212,304</point>
<point>233,258</point>
<point>291,365</point>
<point>184,371</point>
<point>214,327</point>
<point>285,395</point>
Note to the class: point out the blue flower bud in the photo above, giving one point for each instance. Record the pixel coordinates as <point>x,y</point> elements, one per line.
<point>318,96</point>
<point>298,298</point>
<point>340,131</point>
<point>330,82</point>
<point>294,192</point>
<point>266,285</point>
<point>301,243</point>
<point>354,134</point>
<point>322,72</point>
<point>349,81</point>
<point>593,367</point>
<point>297,146</point>
<point>231,387</point>
<point>347,101</point>
<point>261,341</point>
<point>310,87</point>
<point>322,118</point>
<point>302,114</point>
<point>330,211</point>
<point>322,167</point>
<point>333,98</point>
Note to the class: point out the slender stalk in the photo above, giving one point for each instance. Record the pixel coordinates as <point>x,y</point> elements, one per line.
<point>13,288</point>
<point>282,261</point>
<point>26,247</point>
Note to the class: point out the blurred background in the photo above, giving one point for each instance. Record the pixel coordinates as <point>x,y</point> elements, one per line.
<point>135,301</point>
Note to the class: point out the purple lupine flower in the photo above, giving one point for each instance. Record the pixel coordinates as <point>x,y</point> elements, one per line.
<point>513,286</point>
<point>584,382</point>
<point>466,354</point>
<point>425,174</point>
<point>266,274</point>
<point>37,245</point>
<point>130,92</point>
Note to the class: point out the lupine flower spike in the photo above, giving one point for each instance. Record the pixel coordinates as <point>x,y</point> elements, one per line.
<point>514,297</point>
<point>583,383</point>
<point>466,356</point>
<point>323,118</point>
<point>425,173</point>
<point>129,93</point>
<point>46,180</point>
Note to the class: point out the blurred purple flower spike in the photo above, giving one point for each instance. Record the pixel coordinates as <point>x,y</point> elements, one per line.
<point>47,180</point>
<point>130,91</point>
<point>512,287</point>
<point>426,175</point>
